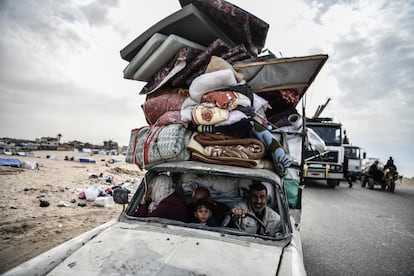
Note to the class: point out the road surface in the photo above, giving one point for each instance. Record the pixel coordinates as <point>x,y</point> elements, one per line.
<point>357,231</point>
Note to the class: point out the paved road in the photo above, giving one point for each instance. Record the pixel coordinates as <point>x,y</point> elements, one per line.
<point>358,231</point>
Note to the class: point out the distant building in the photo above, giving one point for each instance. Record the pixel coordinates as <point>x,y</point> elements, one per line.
<point>66,146</point>
<point>48,143</point>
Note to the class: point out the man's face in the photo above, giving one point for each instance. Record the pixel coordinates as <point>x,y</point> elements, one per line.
<point>258,200</point>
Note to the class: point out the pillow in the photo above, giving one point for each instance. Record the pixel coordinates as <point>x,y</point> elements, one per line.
<point>211,81</point>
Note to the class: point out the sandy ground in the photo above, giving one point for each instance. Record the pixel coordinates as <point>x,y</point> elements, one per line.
<point>26,229</point>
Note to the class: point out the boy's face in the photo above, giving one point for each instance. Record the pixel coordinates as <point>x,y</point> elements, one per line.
<point>203,214</point>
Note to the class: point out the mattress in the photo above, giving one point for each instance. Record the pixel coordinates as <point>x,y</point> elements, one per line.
<point>162,55</point>
<point>150,46</point>
<point>188,22</point>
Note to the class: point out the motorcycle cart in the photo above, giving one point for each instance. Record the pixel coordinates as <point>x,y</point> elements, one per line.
<point>386,180</point>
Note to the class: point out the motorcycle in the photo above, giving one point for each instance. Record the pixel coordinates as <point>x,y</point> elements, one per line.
<point>386,180</point>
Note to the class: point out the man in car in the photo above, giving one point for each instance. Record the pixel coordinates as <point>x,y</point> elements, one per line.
<point>256,205</point>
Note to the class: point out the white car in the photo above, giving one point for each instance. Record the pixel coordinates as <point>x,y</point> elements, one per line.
<point>133,245</point>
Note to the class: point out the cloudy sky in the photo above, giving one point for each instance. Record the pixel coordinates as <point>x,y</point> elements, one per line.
<point>61,71</point>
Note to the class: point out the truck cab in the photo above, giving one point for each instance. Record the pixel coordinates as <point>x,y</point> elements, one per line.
<point>327,165</point>
<point>353,159</point>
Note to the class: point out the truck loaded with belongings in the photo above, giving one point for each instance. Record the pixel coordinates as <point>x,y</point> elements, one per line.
<point>213,94</point>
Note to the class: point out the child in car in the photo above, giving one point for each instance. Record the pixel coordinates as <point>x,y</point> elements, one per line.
<point>203,212</point>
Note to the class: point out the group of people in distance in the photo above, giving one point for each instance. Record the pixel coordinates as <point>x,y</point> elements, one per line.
<point>377,173</point>
<point>203,209</point>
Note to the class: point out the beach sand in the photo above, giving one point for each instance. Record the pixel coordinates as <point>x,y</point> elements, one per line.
<point>26,229</point>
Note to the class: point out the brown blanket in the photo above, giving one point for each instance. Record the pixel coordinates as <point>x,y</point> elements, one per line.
<point>218,144</point>
<point>221,149</point>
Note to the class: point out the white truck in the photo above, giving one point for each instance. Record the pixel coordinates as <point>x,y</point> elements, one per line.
<point>327,165</point>
<point>353,159</point>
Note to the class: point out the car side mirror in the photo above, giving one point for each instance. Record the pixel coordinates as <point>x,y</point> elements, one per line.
<point>364,155</point>
<point>120,195</point>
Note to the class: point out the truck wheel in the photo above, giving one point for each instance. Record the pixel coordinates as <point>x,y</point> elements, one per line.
<point>332,183</point>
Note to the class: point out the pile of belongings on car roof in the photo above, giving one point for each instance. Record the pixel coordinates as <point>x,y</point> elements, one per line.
<point>211,93</point>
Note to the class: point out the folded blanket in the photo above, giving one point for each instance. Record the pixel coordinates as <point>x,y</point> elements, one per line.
<point>153,145</point>
<point>156,107</point>
<point>222,99</point>
<point>240,129</point>
<point>223,145</point>
<point>226,99</point>
<point>208,115</point>
<point>231,155</point>
<point>234,117</point>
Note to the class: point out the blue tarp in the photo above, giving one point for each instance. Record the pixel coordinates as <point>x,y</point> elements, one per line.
<point>87,160</point>
<point>10,162</point>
